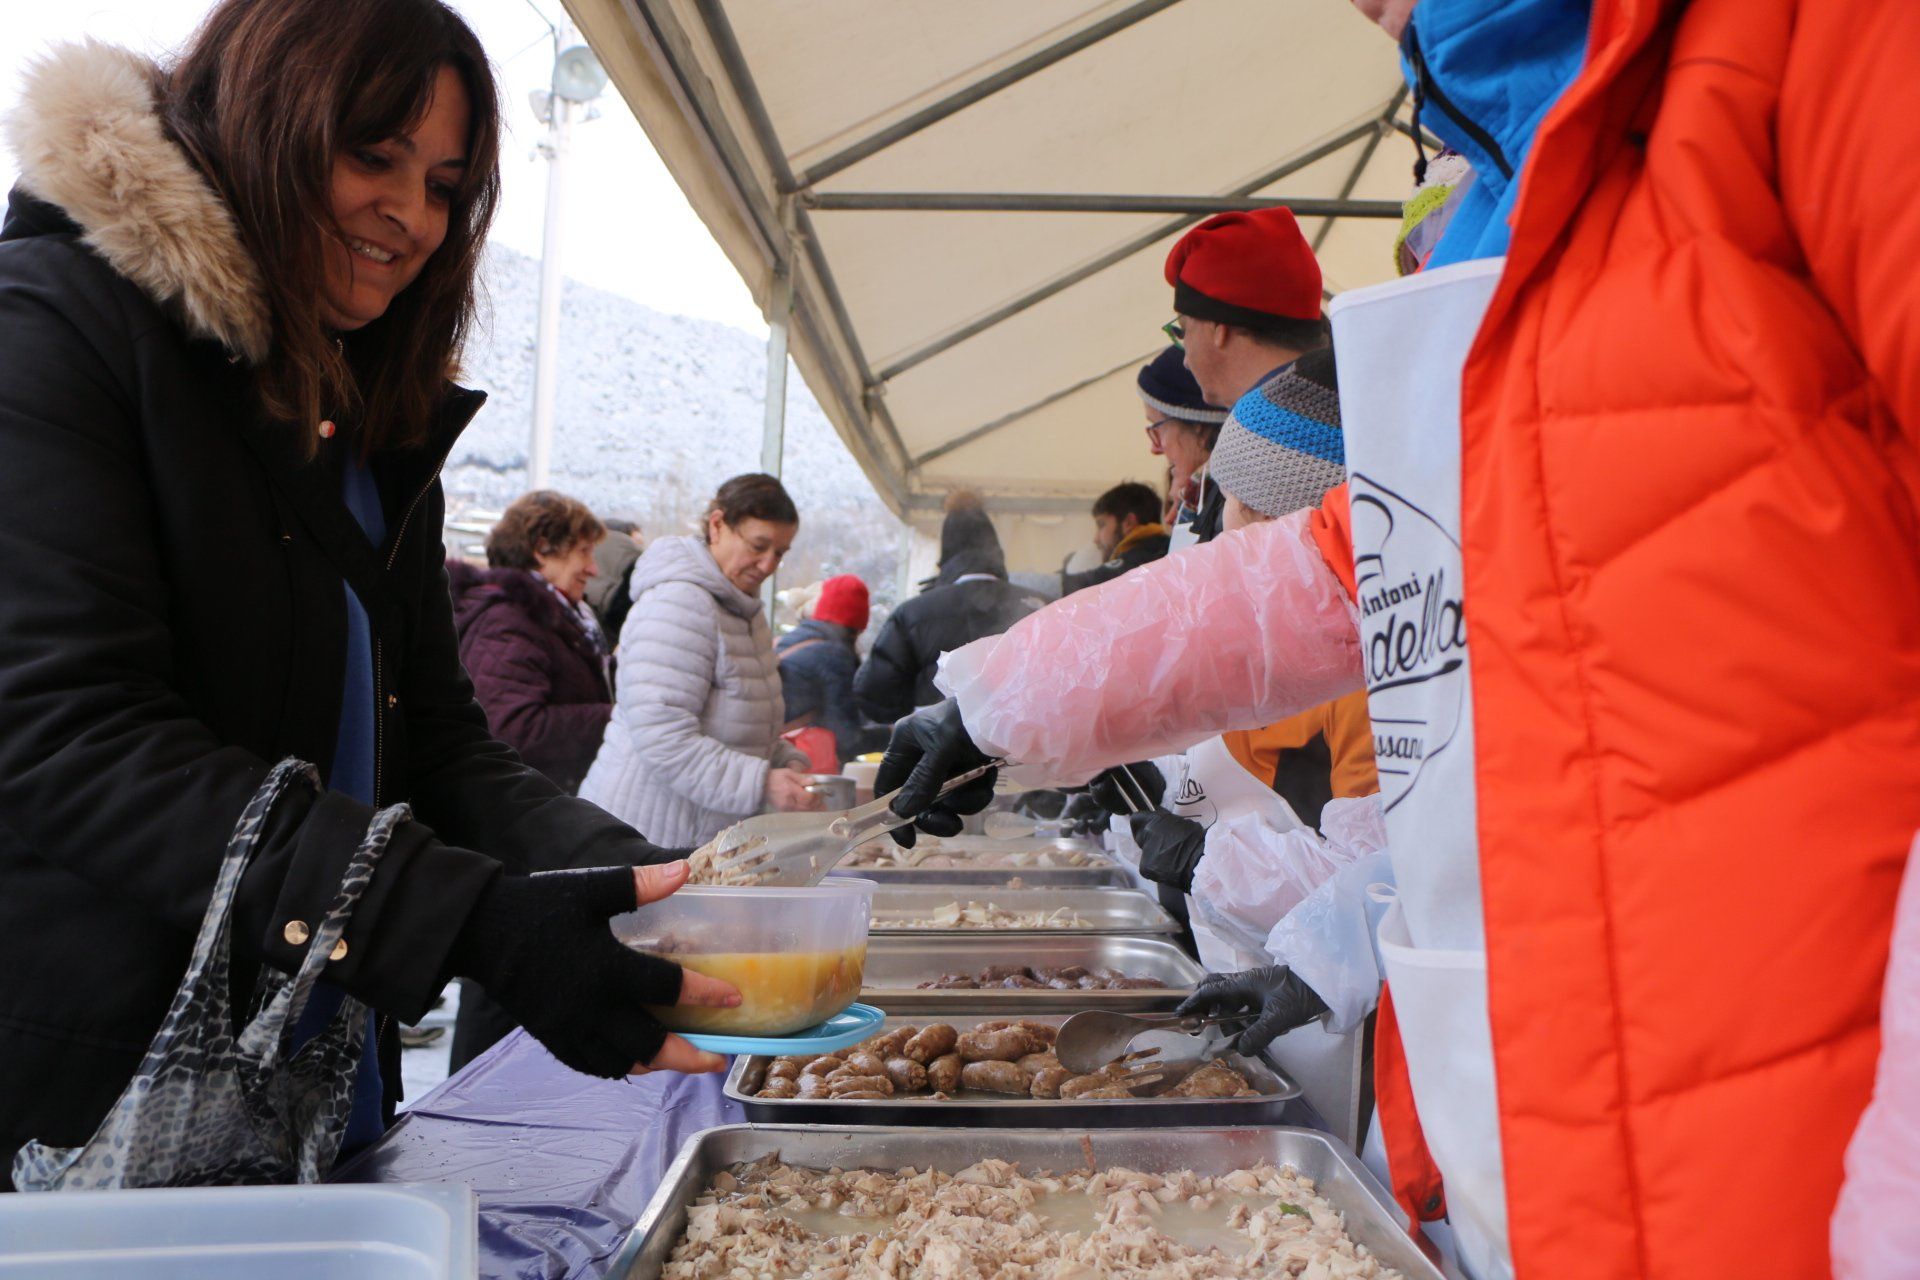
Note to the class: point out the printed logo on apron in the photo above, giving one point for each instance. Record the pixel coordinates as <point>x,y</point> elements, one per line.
<point>1189,798</point>
<point>1415,633</point>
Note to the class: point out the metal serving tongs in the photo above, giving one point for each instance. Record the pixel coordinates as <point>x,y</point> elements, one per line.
<point>800,848</point>
<point>1173,1044</point>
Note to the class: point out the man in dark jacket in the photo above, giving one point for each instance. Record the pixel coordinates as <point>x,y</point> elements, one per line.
<point>608,595</point>
<point>817,665</point>
<point>1127,529</point>
<point>968,599</point>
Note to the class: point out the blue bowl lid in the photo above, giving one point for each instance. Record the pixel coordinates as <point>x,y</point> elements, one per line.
<point>843,1030</point>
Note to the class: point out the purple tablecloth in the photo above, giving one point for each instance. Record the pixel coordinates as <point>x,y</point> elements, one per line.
<point>562,1163</point>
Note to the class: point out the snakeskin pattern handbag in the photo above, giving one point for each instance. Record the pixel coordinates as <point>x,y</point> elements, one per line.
<point>207,1108</point>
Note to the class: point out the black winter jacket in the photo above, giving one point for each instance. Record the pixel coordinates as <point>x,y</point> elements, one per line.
<point>817,666</point>
<point>1143,551</point>
<point>172,623</point>
<point>898,673</point>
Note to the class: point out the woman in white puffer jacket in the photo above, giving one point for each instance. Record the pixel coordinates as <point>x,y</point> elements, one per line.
<point>694,741</point>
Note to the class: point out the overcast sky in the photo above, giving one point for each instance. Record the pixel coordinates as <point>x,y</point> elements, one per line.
<point>627,227</point>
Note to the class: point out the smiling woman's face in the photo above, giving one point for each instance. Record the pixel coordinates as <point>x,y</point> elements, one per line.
<point>391,201</point>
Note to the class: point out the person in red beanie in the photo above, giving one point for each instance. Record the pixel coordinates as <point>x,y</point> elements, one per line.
<point>1246,294</point>
<point>817,665</point>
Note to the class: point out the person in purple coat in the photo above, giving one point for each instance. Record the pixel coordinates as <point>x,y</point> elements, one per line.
<point>534,650</point>
<point>538,661</point>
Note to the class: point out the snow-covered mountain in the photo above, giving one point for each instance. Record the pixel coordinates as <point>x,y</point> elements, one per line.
<point>654,412</point>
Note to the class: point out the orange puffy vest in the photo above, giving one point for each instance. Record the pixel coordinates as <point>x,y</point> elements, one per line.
<point>1692,565</point>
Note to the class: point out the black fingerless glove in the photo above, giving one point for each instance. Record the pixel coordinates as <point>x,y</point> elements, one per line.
<point>1277,1000</point>
<point>540,946</point>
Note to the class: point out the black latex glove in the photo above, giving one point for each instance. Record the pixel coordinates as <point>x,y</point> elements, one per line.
<point>1170,848</point>
<point>1277,999</point>
<point>1083,815</point>
<point>540,946</point>
<point>928,747</point>
<point>1045,805</point>
<point>1140,790</point>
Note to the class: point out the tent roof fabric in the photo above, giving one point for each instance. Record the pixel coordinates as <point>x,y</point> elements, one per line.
<point>996,349</point>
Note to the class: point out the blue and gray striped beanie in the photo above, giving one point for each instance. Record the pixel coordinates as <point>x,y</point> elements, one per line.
<point>1282,448</point>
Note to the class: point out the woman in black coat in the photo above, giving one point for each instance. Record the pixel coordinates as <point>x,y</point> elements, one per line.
<point>224,406</point>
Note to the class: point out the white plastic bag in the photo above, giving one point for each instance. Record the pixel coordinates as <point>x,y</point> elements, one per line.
<point>1875,1232</point>
<point>1255,874</point>
<point>1328,939</point>
<point>1246,630</point>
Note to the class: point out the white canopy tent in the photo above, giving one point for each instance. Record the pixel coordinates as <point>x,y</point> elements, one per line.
<point>965,206</point>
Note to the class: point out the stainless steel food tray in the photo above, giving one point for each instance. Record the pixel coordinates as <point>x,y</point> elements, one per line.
<point>1104,876</point>
<point>1371,1218</point>
<point>1125,911</point>
<point>896,966</point>
<point>973,1107</point>
<point>1012,845</point>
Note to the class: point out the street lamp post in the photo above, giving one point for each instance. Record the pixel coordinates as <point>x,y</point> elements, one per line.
<point>578,79</point>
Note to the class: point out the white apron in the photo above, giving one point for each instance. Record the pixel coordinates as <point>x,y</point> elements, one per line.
<point>1208,785</point>
<point>1401,348</point>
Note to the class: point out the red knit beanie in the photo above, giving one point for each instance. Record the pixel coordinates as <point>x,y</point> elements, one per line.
<point>843,600</point>
<point>1245,269</point>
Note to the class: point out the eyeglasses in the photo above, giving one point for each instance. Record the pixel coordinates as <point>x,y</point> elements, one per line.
<point>1175,331</point>
<point>1153,429</point>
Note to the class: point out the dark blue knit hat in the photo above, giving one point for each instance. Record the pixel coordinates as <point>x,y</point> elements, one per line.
<point>1165,384</point>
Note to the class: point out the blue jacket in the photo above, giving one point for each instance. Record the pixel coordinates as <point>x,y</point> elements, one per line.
<point>817,665</point>
<point>1485,73</point>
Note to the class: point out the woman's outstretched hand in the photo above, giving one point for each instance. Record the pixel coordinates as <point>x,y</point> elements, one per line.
<point>540,946</point>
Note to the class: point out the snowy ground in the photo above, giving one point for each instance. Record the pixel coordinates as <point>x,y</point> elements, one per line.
<point>423,1068</point>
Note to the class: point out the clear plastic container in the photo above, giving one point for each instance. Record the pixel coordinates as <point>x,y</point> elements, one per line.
<point>797,955</point>
<point>241,1233</point>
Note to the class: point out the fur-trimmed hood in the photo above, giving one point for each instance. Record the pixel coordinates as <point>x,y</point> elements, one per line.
<point>88,139</point>
<point>475,590</point>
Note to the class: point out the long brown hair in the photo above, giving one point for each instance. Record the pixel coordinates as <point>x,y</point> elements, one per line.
<point>266,95</point>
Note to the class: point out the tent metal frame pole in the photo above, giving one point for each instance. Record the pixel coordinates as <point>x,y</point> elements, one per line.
<point>1360,165</point>
<point>1048,202</point>
<point>733,60</point>
<point>1060,504</point>
<point>773,437</point>
<point>966,438</point>
<point>670,39</point>
<point>903,568</point>
<point>1112,257</point>
<point>978,91</point>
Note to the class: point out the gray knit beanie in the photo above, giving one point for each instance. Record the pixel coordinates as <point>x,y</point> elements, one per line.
<point>1282,448</point>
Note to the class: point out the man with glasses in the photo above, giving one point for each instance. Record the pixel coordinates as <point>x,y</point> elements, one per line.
<point>1246,290</point>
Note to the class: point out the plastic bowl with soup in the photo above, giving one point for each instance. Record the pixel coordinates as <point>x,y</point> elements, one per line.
<point>797,955</point>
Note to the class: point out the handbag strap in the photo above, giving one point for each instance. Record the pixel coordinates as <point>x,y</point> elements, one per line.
<point>207,971</point>
<point>265,1037</point>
